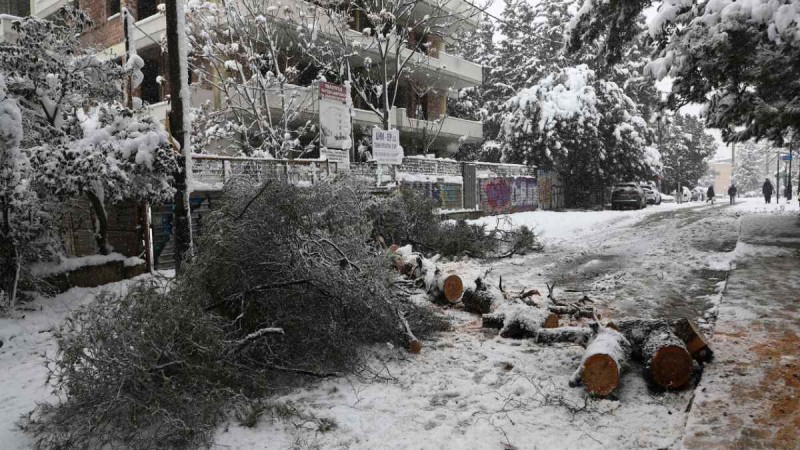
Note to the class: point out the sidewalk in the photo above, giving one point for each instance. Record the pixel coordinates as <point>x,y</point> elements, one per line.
<point>749,396</point>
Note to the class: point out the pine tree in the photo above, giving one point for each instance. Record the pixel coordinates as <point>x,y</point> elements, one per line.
<point>737,57</point>
<point>685,150</point>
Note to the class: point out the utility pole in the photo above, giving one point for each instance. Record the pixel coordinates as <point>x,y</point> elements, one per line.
<point>778,177</point>
<point>789,177</point>
<point>178,84</point>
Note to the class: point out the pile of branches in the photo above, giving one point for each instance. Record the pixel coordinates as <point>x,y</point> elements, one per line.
<point>408,217</point>
<point>286,282</point>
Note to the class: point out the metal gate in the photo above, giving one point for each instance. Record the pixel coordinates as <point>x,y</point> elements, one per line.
<point>469,175</point>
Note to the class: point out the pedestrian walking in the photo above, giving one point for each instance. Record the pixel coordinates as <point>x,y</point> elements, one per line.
<point>710,194</point>
<point>732,193</point>
<point>767,190</point>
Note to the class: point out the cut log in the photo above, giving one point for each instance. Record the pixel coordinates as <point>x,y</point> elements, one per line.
<point>393,248</point>
<point>576,335</point>
<point>481,298</point>
<point>667,361</point>
<point>478,301</point>
<point>696,343</point>
<point>603,362</point>
<point>493,320</point>
<point>520,321</point>
<point>450,287</point>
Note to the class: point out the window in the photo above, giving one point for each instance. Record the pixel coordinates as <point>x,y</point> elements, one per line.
<point>146,8</point>
<point>112,7</point>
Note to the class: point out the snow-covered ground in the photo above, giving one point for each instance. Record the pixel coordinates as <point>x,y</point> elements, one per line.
<point>468,388</point>
<point>27,337</point>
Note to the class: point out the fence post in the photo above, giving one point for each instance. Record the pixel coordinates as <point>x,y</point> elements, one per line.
<point>226,170</point>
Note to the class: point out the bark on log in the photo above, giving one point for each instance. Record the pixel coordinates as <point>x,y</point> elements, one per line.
<point>478,301</point>
<point>667,361</point>
<point>603,362</point>
<point>481,298</point>
<point>576,335</point>
<point>519,321</point>
<point>696,343</point>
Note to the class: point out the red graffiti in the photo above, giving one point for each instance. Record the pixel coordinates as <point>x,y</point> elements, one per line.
<point>498,193</point>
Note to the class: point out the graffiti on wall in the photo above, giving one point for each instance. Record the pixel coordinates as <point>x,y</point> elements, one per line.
<point>506,195</point>
<point>550,196</point>
<point>447,195</point>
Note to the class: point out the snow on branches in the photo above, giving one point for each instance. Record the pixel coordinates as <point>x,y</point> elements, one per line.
<point>735,56</point>
<point>585,127</point>
<point>78,139</point>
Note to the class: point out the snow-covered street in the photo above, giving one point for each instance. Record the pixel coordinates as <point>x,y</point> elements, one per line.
<point>469,388</point>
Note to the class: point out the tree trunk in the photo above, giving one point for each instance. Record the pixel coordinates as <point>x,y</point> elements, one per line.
<point>587,313</point>
<point>575,335</point>
<point>667,362</point>
<point>182,220</point>
<point>101,223</point>
<point>603,362</point>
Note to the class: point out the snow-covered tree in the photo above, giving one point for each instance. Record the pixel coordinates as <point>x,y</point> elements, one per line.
<point>388,49</point>
<point>736,56</point>
<point>749,171</point>
<point>685,150</point>
<point>584,127</point>
<point>79,141</point>
<point>244,50</point>
<point>18,203</point>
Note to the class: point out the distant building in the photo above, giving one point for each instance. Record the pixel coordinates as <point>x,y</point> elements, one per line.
<point>721,170</point>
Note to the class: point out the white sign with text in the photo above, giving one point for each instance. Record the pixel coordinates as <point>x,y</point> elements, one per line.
<point>386,147</point>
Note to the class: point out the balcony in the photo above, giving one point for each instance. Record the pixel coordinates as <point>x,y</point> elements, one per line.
<point>6,33</point>
<point>43,8</point>
<point>150,30</point>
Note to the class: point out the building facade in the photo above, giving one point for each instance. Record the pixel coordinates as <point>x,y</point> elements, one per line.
<point>411,114</point>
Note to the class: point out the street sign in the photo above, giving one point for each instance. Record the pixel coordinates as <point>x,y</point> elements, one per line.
<point>340,157</point>
<point>334,116</point>
<point>786,157</point>
<point>386,147</point>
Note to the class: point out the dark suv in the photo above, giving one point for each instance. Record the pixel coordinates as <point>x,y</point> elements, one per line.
<point>628,195</point>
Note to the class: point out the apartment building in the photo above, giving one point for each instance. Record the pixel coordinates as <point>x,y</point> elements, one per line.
<point>411,114</point>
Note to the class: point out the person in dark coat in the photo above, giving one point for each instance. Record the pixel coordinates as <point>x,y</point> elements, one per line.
<point>732,193</point>
<point>767,190</point>
<point>710,194</point>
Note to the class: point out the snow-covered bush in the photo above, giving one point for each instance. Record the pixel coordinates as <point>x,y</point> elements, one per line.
<point>147,369</point>
<point>408,217</point>
<point>584,127</point>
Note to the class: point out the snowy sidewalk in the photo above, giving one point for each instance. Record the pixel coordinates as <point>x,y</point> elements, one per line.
<point>749,397</point>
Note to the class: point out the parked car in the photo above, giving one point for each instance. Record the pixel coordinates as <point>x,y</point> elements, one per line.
<point>651,195</point>
<point>628,195</point>
<point>687,194</point>
<point>667,198</point>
